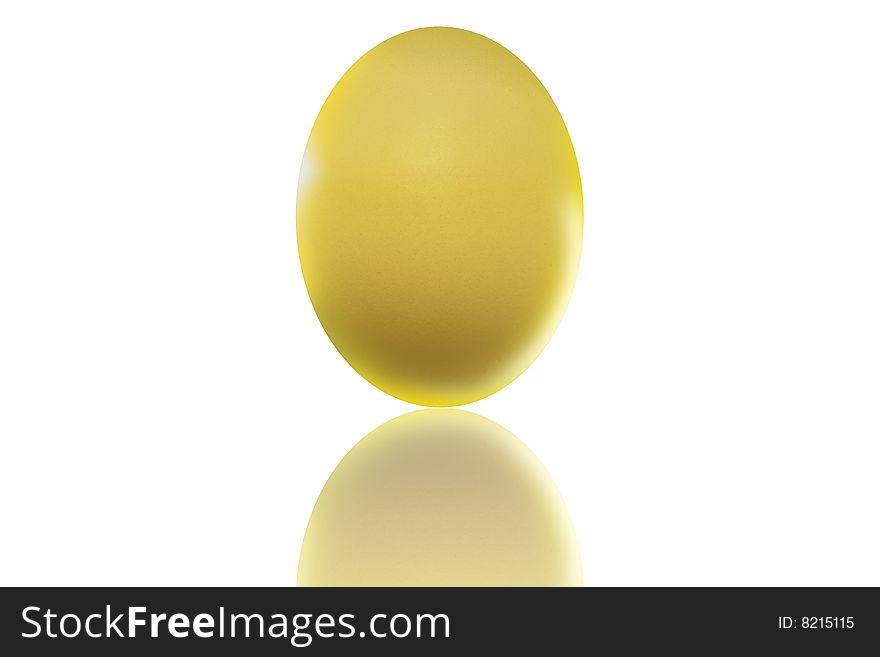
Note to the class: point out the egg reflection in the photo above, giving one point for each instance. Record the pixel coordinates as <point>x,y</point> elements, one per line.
<point>440,497</point>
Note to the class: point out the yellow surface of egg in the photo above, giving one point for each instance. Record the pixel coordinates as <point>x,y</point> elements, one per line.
<point>439,216</point>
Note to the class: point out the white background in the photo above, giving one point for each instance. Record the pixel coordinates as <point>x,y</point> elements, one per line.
<point>170,406</point>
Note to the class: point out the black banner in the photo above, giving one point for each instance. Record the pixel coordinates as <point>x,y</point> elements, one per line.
<point>277,621</point>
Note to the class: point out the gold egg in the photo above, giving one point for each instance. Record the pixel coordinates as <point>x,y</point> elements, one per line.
<point>439,216</point>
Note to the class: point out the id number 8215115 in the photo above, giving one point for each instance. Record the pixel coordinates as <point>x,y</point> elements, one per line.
<point>816,623</point>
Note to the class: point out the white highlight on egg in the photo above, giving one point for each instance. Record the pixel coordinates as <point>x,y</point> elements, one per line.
<point>307,173</point>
